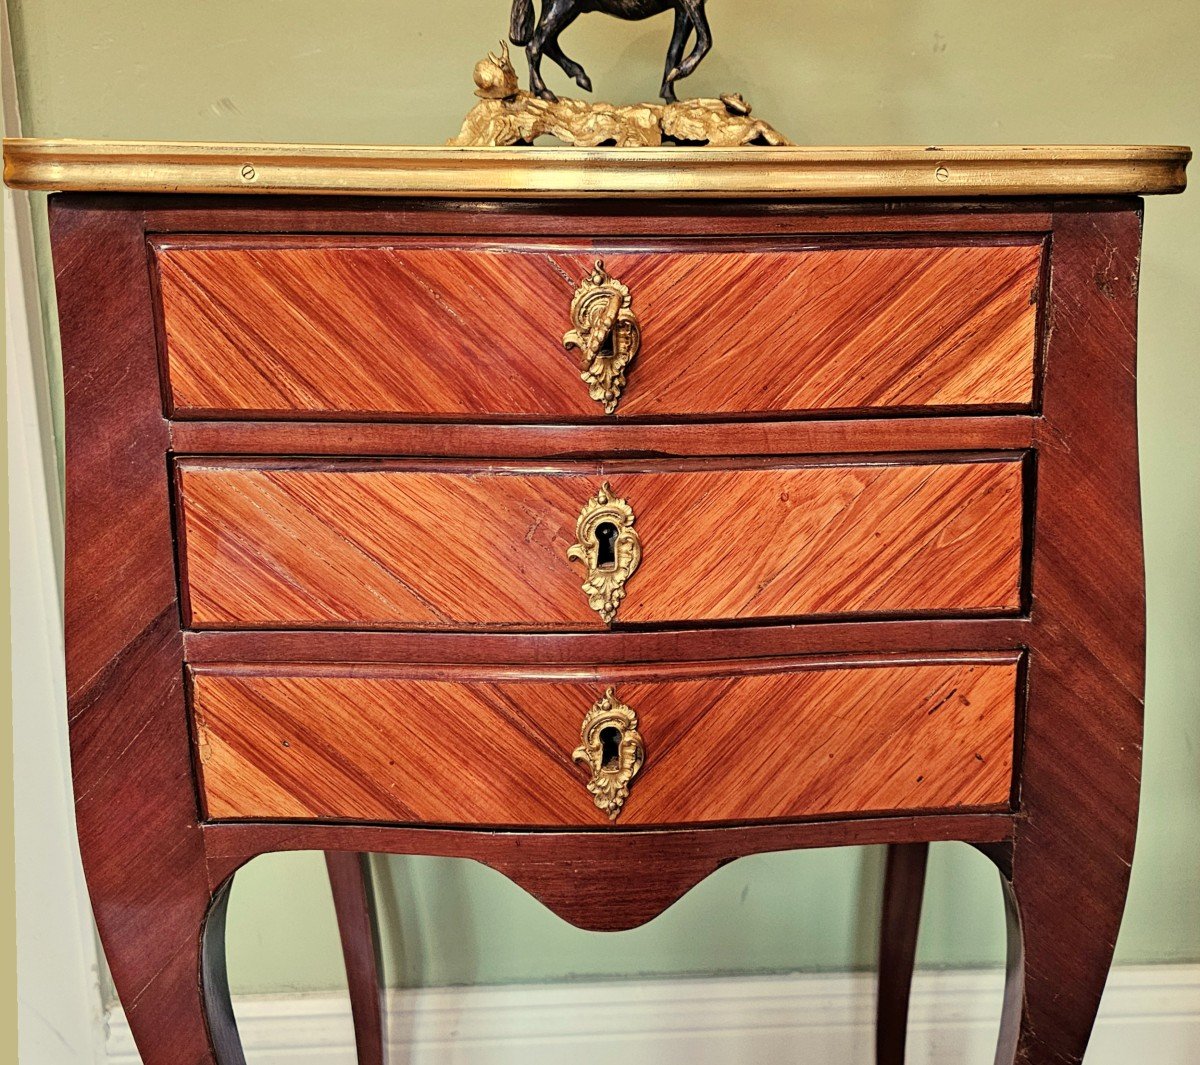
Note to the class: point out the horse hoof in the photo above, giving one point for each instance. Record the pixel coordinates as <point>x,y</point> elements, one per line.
<point>547,95</point>
<point>584,82</point>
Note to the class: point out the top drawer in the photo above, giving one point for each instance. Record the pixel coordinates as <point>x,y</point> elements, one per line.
<point>281,327</point>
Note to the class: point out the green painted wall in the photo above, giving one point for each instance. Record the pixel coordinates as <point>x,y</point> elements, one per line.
<point>826,72</point>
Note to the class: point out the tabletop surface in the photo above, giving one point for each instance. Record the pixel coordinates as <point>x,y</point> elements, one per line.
<point>948,172</point>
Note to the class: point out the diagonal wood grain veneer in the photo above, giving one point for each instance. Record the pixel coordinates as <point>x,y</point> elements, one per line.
<point>741,743</point>
<point>321,544</point>
<point>368,327</point>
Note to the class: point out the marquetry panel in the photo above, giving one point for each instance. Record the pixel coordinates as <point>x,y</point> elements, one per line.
<point>722,743</point>
<point>305,543</point>
<point>290,326</point>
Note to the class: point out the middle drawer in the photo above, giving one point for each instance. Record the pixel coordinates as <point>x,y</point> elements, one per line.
<point>351,543</point>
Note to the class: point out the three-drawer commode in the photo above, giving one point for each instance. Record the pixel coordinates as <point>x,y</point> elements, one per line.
<point>494,505</point>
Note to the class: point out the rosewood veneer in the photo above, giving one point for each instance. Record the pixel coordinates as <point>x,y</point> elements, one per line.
<point>602,517</point>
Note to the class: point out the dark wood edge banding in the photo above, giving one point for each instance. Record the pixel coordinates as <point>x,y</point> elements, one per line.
<point>608,648</point>
<point>1041,331</point>
<point>602,830</point>
<point>242,840</point>
<point>616,441</point>
<point>625,672</point>
<point>551,629</point>
<point>585,468</point>
<point>586,243</point>
<point>179,525</point>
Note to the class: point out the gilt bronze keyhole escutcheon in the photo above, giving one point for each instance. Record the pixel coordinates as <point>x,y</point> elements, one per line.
<point>609,548</point>
<point>611,746</point>
<point>606,333</point>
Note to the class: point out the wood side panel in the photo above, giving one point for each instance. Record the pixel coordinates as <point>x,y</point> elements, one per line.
<point>136,809</point>
<point>1067,870</point>
<point>118,577</point>
<point>304,544</point>
<point>289,326</point>
<point>402,745</point>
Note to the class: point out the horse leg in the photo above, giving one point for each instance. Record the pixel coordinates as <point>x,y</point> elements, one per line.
<point>695,12</point>
<point>553,50</point>
<point>557,15</point>
<point>536,85</point>
<point>679,38</point>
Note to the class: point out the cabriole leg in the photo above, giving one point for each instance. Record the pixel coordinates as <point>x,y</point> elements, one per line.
<point>903,891</point>
<point>353,900</point>
<point>1062,927</point>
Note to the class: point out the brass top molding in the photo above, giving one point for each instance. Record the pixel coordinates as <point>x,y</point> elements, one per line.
<point>531,172</point>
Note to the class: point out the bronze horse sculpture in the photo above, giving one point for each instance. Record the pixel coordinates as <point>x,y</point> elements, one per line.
<point>557,15</point>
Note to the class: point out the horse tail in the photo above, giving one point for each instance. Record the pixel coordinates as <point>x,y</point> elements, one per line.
<point>520,24</point>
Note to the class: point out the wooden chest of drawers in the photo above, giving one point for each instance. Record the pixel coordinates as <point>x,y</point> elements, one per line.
<point>604,540</point>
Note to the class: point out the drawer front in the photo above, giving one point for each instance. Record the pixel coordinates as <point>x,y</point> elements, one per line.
<point>291,327</point>
<point>311,544</point>
<point>715,743</point>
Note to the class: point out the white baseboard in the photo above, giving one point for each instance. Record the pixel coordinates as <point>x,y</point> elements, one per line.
<point>1150,1014</point>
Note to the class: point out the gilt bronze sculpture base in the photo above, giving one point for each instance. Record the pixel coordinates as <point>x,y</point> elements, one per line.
<point>506,115</point>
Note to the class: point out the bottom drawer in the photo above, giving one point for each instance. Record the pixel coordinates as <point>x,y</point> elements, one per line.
<point>687,744</point>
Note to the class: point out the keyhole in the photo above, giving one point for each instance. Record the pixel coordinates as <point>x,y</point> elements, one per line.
<point>606,347</point>
<point>610,747</point>
<point>606,545</point>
